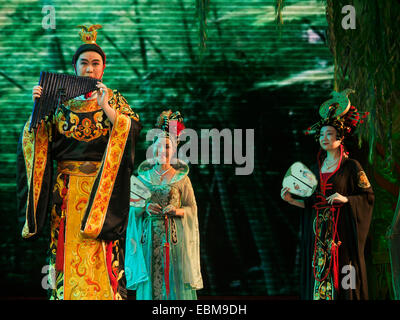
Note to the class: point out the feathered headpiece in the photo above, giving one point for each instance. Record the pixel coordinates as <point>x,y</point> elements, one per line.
<point>338,113</point>
<point>171,123</point>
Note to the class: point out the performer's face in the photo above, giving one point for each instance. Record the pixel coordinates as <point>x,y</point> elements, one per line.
<point>90,64</point>
<point>328,138</point>
<point>163,150</point>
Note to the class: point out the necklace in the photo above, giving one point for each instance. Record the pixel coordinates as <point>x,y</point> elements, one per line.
<point>162,173</point>
<point>330,164</point>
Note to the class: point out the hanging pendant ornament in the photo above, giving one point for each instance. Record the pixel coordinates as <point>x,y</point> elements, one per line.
<point>88,95</point>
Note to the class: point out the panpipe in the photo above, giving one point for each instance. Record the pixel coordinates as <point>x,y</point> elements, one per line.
<point>56,89</point>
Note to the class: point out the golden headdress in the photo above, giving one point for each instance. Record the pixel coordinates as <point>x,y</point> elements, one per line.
<point>89,36</point>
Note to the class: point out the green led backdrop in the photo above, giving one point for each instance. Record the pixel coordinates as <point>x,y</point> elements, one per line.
<point>231,65</point>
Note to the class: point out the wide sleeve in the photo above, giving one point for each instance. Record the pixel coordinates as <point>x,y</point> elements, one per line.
<point>34,177</point>
<point>135,266</point>
<point>361,200</point>
<point>107,212</point>
<point>192,273</point>
<point>309,201</point>
<point>119,103</point>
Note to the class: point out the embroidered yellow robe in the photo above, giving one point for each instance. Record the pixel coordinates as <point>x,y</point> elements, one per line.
<point>88,194</point>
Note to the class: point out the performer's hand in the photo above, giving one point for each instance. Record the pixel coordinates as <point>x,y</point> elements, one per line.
<point>286,196</point>
<point>36,92</point>
<point>337,197</point>
<point>172,210</point>
<point>153,208</point>
<point>102,101</point>
<point>102,94</point>
<point>169,209</point>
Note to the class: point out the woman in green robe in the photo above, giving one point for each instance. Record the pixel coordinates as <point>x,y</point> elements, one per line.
<point>162,247</point>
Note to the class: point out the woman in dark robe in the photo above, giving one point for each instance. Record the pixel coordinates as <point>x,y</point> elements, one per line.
<point>336,220</point>
<point>92,138</point>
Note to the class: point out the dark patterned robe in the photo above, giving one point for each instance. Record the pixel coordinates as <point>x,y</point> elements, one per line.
<point>342,232</point>
<point>87,195</point>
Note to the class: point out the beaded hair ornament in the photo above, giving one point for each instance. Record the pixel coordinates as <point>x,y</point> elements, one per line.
<point>171,124</point>
<point>338,113</point>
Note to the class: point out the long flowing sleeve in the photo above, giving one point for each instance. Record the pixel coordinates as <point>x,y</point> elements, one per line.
<point>34,177</point>
<point>135,266</point>
<point>192,273</point>
<point>361,200</point>
<point>107,213</point>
